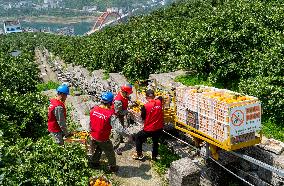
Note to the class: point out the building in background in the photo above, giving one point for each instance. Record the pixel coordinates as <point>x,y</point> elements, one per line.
<point>90,8</point>
<point>12,27</point>
<point>112,9</point>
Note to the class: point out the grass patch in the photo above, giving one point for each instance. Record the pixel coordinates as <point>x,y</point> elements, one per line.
<point>75,89</point>
<point>166,158</point>
<point>87,112</point>
<point>105,75</point>
<point>191,80</point>
<point>47,86</point>
<point>272,130</point>
<point>71,124</point>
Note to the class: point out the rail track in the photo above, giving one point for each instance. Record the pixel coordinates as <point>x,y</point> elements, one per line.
<point>265,166</point>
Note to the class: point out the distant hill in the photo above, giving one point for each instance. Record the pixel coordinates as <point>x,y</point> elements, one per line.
<point>65,8</point>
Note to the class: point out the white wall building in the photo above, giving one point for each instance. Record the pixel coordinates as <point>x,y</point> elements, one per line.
<point>112,9</point>
<point>7,7</point>
<point>50,4</point>
<point>12,27</point>
<point>89,8</point>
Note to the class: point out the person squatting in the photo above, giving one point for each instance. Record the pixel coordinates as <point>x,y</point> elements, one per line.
<point>109,118</point>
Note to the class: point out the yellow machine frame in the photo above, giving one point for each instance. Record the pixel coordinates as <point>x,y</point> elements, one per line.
<point>170,116</point>
<point>214,143</point>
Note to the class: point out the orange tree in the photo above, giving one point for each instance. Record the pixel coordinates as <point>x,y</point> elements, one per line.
<point>238,44</point>
<point>28,156</point>
<point>234,44</point>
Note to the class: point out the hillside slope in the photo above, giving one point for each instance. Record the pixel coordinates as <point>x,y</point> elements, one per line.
<point>237,44</point>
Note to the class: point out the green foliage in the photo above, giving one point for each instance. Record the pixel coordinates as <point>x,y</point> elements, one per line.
<point>71,124</point>
<point>47,86</point>
<point>22,115</point>
<point>270,91</point>
<point>78,4</point>
<point>2,143</point>
<point>166,158</point>
<point>18,74</point>
<point>191,80</point>
<point>106,76</point>
<point>273,130</point>
<point>237,45</point>
<point>21,108</point>
<point>27,155</point>
<point>45,163</point>
<point>233,183</point>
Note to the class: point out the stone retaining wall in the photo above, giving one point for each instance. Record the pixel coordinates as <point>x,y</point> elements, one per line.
<point>94,83</point>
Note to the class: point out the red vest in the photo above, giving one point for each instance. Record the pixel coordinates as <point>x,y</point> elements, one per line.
<point>52,122</point>
<point>154,116</point>
<point>100,123</point>
<point>124,101</point>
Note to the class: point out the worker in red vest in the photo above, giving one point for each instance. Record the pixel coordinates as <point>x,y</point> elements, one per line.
<point>57,115</point>
<point>120,105</point>
<point>152,115</point>
<point>101,120</point>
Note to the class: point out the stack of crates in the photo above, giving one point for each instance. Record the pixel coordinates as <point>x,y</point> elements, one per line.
<point>220,109</point>
<point>180,94</point>
<point>191,99</point>
<point>181,110</point>
<point>219,113</point>
<point>187,101</point>
<point>205,124</point>
<point>182,113</point>
<point>192,119</point>
<point>211,123</point>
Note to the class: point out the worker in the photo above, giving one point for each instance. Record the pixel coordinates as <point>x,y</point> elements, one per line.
<point>152,116</point>
<point>101,118</point>
<point>57,115</point>
<point>120,105</point>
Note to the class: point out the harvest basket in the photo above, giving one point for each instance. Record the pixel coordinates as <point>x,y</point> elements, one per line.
<point>79,137</point>
<point>99,181</point>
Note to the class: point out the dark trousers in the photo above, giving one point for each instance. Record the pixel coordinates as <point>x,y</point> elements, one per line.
<point>142,136</point>
<point>105,147</point>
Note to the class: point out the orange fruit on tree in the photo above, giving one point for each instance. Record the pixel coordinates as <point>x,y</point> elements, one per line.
<point>98,182</point>
<point>103,183</point>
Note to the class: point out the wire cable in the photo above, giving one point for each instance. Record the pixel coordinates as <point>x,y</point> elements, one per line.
<point>210,158</point>
<point>231,171</point>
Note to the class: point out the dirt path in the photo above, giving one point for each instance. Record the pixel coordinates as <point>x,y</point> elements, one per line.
<point>47,73</point>
<point>131,172</point>
<point>134,172</point>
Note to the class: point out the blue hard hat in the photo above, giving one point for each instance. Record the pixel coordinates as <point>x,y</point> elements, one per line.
<point>63,89</point>
<point>107,97</point>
